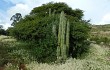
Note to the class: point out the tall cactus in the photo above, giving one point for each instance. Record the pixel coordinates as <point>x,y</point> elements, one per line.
<point>59,40</point>
<point>49,11</point>
<point>67,37</point>
<point>63,38</point>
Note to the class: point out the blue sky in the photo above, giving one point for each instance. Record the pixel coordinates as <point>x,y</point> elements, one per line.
<point>5,5</point>
<point>96,10</point>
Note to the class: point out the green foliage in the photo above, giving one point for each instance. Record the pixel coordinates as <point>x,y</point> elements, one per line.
<point>5,50</point>
<point>2,32</point>
<point>35,29</point>
<point>12,51</point>
<point>99,40</point>
<point>9,31</point>
<point>3,53</point>
<point>57,8</point>
<point>45,46</point>
<point>78,38</point>
<point>41,27</point>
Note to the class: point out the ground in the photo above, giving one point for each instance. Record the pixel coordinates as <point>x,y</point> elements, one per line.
<point>96,59</point>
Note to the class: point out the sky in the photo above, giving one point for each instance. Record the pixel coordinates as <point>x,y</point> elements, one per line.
<point>98,11</point>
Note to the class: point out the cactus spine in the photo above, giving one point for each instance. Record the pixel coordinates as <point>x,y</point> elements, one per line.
<point>63,38</point>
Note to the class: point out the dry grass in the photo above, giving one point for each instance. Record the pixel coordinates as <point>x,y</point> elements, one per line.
<point>7,38</point>
<point>96,60</point>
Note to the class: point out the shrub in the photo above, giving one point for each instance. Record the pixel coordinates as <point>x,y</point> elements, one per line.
<point>98,40</point>
<point>2,32</point>
<point>38,28</point>
<point>78,38</point>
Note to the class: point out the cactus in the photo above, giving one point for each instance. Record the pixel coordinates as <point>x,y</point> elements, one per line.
<point>53,12</point>
<point>67,37</point>
<point>63,38</point>
<point>54,30</point>
<point>49,11</point>
<point>59,41</point>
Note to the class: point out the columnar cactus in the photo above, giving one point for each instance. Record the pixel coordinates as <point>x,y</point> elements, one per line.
<point>54,30</point>
<point>67,36</point>
<point>49,11</point>
<point>63,38</point>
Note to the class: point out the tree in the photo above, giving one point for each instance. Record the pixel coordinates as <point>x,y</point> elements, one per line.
<point>16,18</point>
<point>57,8</point>
<point>42,26</point>
<point>2,31</point>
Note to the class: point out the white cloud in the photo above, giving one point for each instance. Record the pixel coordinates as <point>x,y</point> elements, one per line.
<point>19,8</point>
<point>6,25</point>
<point>5,20</point>
<point>105,20</point>
<point>94,9</point>
<point>25,6</point>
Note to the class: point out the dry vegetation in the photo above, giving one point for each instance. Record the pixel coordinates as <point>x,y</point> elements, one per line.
<point>7,38</point>
<point>96,59</point>
<point>101,30</point>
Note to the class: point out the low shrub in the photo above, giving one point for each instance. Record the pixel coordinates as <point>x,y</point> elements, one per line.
<point>98,40</point>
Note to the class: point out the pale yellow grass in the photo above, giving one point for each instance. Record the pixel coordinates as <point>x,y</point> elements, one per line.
<point>6,39</point>
<point>96,60</point>
<point>2,37</point>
